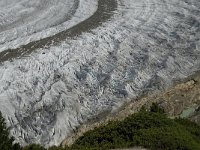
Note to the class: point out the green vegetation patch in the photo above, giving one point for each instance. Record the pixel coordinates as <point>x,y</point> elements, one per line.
<point>151,129</point>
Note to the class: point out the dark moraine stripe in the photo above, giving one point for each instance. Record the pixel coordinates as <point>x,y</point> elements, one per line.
<point>104,12</point>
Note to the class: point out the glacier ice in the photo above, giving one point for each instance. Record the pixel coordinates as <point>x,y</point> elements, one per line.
<point>144,46</point>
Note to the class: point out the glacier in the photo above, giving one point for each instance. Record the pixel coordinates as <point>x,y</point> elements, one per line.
<point>64,62</point>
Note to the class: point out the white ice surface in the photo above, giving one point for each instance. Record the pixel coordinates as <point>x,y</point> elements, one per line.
<point>144,47</point>
<point>56,16</point>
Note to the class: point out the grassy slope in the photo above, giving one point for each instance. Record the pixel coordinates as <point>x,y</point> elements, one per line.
<point>150,129</point>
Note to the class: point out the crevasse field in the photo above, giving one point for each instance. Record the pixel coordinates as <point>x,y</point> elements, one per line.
<point>63,62</point>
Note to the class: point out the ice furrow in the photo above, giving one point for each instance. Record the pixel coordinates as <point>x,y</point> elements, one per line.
<point>142,48</point>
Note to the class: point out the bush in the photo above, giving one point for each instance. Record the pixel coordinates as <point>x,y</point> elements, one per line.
<point>34,147</point>
<point>155,108</point>
<point>151,129</point>
<point>166,138</point>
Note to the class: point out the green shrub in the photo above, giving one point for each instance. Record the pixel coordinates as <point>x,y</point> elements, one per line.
<point>155,108</point>
<point>151,129</point>
<point>166,138</point>
<point>34,147</point>
<point>189,126</point>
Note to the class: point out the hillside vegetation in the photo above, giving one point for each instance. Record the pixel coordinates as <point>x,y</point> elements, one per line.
<point>148,128</point>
